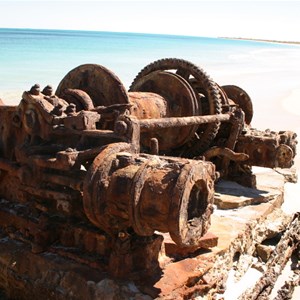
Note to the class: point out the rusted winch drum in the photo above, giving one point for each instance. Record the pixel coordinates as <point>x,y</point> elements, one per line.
<point>166,88</point>
<point>146,193</point>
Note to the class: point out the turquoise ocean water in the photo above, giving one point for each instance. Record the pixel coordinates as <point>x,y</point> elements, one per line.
<point>30,56</point>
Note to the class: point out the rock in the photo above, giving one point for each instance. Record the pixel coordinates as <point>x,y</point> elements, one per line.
<point>264,252</point>
<point>209,240</point>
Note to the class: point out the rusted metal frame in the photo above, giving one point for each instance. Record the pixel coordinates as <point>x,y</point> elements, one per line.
<point>48,194</point>
<point>225,152</point>
<point>8,166</point>
<point>24,228</point>
<point>268,146</point>
<point>65,160</point>
<point>237,120</point>
<point>11,217</point>
<point>42,149</point>
<point>148,124</point>
<point>78,257</point>
<point>87,237</point>
<point>88,154</point>
<point>89,133</point>
<point>73,183</point>
<point>52,162</point>
<point>129,128</point>
<point>43,107</point>
<point>7,108</point>
<point>165,194</point>
<point>18,227</point>
<point>130,134</point>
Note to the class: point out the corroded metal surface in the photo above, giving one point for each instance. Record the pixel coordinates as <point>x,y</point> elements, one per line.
<point>205,89</point>
<point>268,148</point>
<point>94,173</point>
<point>102,85</point>
<point>121,184</point>
<point>180,101</point>
<point>241,98</point>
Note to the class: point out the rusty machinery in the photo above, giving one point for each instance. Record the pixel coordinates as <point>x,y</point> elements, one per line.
<point>93,172</point>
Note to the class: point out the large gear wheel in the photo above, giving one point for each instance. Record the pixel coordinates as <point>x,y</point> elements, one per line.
<point>207,94</point>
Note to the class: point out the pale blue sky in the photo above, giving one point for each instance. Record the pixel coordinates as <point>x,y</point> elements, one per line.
<point>257,19</point>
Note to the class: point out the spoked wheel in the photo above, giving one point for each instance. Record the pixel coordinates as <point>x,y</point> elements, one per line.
<point>207,93</point>
<point>100,84</point>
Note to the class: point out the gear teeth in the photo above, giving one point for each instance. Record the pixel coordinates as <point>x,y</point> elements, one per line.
<point>212,95</point>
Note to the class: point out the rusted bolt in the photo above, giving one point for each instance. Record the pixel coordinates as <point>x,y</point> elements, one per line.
<point>125,159</point>
<point>120,127</point>
<point>48,90</point>
<point>122,235</point>
<point>58,110</point>
<point>30,118</point>
<point>71,109</point>
<point>35,89</point>
<point>154,146</point>
<point>16,121</point>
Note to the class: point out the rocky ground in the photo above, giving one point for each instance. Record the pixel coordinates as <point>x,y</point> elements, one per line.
<point>253,238</point>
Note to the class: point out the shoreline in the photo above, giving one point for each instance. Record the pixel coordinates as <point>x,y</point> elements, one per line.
<point>261,40</point>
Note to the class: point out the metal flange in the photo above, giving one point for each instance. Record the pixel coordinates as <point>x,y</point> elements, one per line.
<point>101,84</point>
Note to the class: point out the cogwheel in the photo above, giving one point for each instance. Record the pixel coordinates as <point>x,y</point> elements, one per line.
<point>208,97</point>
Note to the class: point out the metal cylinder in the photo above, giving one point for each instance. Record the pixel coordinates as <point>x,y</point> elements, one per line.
<point>149,193</point>
<point>147,105</point>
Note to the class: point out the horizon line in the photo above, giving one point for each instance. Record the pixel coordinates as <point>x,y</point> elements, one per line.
<point>161,34</point>
<point>113,31</point>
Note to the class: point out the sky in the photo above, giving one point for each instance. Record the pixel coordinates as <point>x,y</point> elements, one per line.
<point>279,20</point>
